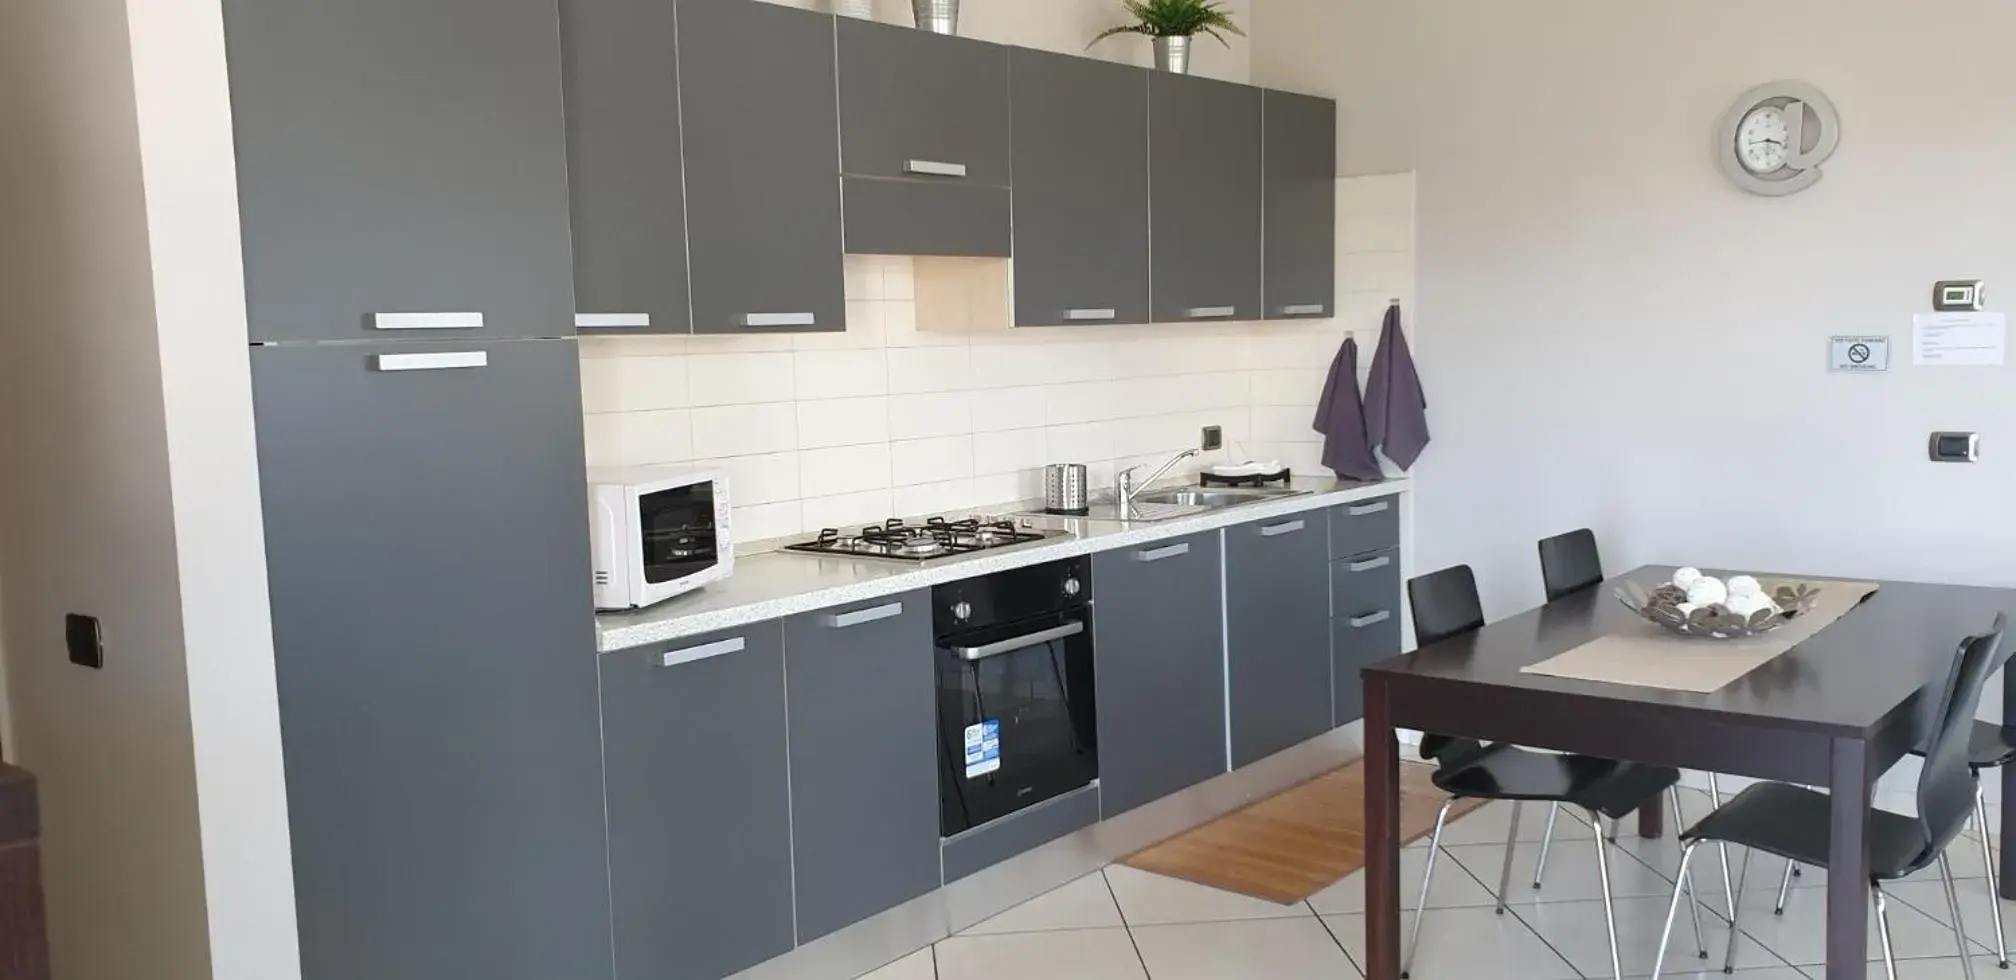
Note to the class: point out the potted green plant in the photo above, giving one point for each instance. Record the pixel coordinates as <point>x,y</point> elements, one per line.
<point>1172,23</point>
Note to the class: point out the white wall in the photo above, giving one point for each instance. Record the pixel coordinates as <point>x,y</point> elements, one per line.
<point>131,495</point>
<point>1617,337</point>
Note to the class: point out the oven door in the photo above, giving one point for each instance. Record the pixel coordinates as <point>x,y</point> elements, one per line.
<point>1015,716</point>
<point>677,529</point>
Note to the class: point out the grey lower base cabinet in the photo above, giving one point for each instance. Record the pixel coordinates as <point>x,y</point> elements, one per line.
<point>699,804</point>
<point>1365,624</point>
<point>1161,669</point>
<point>1277,631</point>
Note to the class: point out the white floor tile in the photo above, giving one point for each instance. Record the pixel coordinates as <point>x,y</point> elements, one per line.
<point>1929,897</point>
<point>1576,931</point>
<point>1277,949</point>
<point>1572,874</point>
<point>1799,936</point>
<point>1713,971</point>
<point>1936,969</point>
<point>1151,899</point>
<point>1489,823</point>
<point>1453,887</point>
<point>1466,944</point>
<point>1079,954</point>
<point>916,966</point>
<point>1082,904</point>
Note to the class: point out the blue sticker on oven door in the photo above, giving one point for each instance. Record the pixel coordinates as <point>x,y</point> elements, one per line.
<point>983,748</point>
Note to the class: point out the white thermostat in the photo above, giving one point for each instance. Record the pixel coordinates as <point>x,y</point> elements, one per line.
<point>1959,295</point>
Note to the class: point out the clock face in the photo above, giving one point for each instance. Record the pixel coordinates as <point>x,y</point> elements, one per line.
<point>1761,138</point>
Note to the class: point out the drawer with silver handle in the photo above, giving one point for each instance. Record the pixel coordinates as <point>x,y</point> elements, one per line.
<point>1365,526</point>
<point>1365,584</point>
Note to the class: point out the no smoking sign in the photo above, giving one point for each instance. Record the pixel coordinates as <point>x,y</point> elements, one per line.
<point>1858,355</point>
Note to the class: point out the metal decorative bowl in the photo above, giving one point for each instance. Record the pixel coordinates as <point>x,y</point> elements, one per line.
<point>1662,606</point>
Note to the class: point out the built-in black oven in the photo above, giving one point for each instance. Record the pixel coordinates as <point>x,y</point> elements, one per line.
<point>1015,690</point>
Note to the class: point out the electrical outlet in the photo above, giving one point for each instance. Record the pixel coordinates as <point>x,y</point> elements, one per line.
<point>85,640</point>
<point>1214,438</point>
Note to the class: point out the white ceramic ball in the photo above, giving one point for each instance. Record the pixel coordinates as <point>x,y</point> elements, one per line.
<point>1745,585</point>
<point>1707,591</point>
<point>1750,605</point>
<point>1685,578</point>
<point>1685,609</point>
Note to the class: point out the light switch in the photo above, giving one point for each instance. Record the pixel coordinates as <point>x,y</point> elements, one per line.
<point>1955,447</point>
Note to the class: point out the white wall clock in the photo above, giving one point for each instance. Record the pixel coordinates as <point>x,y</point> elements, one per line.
<point>1776,136</point>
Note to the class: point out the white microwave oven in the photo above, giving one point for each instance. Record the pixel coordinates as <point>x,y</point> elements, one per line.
<point>658,532</point>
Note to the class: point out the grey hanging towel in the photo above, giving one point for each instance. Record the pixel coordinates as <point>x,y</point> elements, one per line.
<point>1340,417</point>
<point>1396,412</point>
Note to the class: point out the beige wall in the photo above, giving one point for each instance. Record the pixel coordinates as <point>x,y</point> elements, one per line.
<point>124,419</point>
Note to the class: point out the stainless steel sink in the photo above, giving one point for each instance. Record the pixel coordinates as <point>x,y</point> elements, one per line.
<point>1166,505</point>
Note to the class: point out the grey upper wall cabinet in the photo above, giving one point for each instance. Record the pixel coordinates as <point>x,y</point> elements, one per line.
<point>924,141</point>
<point>762,151</point>
<point>1277,629</point>
<point>1301,205</point>
<point>1204,177</point>
<point>699,811</point>
<point>1161,670</point>
<point>864,759</point>
<point>436,682</point>
<point>402,168</point>
<point>1081,190</point>
<point>624,165</point>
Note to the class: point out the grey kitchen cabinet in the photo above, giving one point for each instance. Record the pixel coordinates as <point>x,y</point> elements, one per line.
<point>1277,633</point>
<point>862,695</point>
<point>924,137</point>
<point>402,168</point>
<point>762,164</point>
<point>1365,525</point>
<point>1300,191</point>
<point>436,686</point>
<point>624,165</point>
<point>1205,198</point>
<point>1365,624</point>
<point>699,804</point>
<point>1081,199</point>
<point>1160,634</point>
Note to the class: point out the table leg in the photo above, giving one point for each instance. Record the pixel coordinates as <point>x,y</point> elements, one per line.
<point>1848,862</point>
<point>1382,836</point>
<point>1652,820</point>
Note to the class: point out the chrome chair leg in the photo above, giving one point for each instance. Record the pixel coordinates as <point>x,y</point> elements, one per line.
<point>1427,878</point>
<point>1609,912</point>
<point>1953,909</point>
<point>1715,803</point>
<point>1505,873</point>
<point>1686,879</point>
<point>1785,887</point>
<point>1729,958</point>
<point>1988,865</point>
<point>1673,908</point>
<point>1546,841</point>
<point>1883,928</point>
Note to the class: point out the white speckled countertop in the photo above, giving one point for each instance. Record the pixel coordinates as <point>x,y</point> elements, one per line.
<point>776,584</point>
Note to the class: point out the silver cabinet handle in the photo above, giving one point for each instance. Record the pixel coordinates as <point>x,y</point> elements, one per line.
<point>1285,527</point>
<point>841,621</point>
<point>1024,642</point>
<point>607,321</point>
<point>1363,509</point>
<point>1091,313</point>
<point>441,361</point>
<point>1157,554</point>
<point>718,648</point>
<point>426,321</point>
<point>1370,563</point>
<point>779,319</point>
<point>1301,309</point>
<point>1370,619</point>
<point>1209,312</point>
<point>934,168</point>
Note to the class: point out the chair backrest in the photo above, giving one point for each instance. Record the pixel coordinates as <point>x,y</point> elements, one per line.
<point>1445,603</point>
<point>1569,563</point>
<point>1945,784</point>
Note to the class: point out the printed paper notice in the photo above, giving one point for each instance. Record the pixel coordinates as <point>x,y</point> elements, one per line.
<point>1959,339</point>
<point>983,748</point>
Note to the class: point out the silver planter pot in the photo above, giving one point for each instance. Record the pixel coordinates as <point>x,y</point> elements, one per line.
<point>1172,54</point>
<point>936,16</point>
<point>862,9</point>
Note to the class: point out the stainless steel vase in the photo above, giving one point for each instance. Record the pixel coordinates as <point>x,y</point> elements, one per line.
<point>1172,53</point>
<point>1064,489</point>
<point>862,9</point>
<point>936,16</point>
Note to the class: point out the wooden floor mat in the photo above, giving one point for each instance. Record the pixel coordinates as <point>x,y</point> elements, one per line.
<point>1297,842</point>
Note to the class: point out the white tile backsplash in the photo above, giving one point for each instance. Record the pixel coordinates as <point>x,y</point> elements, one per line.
<point>840,429</point>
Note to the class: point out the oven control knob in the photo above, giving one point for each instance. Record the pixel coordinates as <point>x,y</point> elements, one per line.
<point>962,610</point>
<point>1072,586</point>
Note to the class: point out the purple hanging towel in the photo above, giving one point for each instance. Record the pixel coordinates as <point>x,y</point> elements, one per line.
<point>1340,417</point>
<point>1396,412</point>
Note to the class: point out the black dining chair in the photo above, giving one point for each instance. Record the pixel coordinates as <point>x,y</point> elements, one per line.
<point>1794,822</point>
<point>1569,563</point>
<point>1446,604</point>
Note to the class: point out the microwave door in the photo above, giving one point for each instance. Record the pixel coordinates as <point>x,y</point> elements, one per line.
<point>678,533</point>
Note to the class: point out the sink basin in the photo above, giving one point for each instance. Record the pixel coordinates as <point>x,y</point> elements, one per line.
<point>1166,505</point>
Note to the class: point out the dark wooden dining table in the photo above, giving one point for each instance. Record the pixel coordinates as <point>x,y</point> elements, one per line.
<point>1836,711</point>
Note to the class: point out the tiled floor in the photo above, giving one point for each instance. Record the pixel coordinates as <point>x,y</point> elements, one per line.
<point>1123,924</point>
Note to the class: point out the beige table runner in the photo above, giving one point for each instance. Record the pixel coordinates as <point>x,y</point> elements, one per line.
<point>1645,654</point>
